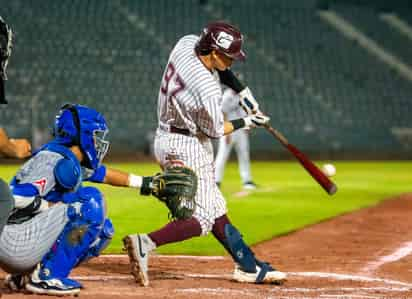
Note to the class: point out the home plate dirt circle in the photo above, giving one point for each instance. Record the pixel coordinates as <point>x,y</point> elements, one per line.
<point>365,254</point>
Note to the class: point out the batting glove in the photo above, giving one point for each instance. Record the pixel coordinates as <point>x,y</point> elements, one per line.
<point>248,102</point>
<point>256,120</point>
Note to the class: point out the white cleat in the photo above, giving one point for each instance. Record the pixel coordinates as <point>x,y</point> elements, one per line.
<point>137,248</point>
<point>272,276</point>
<point>52,286</point>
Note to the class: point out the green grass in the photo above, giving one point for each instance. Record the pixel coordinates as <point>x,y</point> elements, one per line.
<point>289,199</point>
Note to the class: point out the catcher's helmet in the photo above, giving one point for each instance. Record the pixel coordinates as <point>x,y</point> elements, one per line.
<point>222,37</point>
<point>85,127</point>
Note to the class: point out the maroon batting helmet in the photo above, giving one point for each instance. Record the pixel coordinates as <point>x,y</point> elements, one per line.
<point>222,37</point>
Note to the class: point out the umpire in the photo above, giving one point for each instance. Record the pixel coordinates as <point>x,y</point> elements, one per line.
<point>14,148</point>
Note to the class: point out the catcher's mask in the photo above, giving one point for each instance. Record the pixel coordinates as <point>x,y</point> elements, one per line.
<point>85,127</point>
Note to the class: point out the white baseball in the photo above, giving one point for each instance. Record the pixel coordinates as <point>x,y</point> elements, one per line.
<point>329,170</point>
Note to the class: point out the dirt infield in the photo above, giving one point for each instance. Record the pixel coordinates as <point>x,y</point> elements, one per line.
<point>366,254</point>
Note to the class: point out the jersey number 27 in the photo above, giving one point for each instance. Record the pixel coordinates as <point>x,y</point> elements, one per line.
<point>172,82</point>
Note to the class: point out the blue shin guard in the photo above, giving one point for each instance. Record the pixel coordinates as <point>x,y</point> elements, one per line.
<point>87,216</point>
<point>241,253</point>
<point>102,241</point>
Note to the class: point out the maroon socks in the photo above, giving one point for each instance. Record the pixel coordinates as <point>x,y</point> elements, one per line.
<point>218,229</point>
<point>180,230</point>
<point>176,231</point>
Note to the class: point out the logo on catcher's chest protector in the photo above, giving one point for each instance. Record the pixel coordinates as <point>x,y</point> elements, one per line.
<point>41,184</point>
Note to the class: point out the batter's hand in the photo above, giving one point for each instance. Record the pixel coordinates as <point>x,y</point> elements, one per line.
<point>256,120</point>
<point>20,148</point>
<point>248,102</point>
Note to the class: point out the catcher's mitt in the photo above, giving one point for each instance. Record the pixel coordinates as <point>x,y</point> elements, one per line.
<point>176,187</point>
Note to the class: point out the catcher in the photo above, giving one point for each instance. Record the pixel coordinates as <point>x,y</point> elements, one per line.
<point>57,223</point>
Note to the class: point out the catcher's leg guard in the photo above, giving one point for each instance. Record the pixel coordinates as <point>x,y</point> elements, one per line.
<point>103,240</point>
<point>87,216</point>
<point>240,252</point>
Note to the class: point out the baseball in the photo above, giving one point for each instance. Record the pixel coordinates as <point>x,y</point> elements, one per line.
<point>329,170</point>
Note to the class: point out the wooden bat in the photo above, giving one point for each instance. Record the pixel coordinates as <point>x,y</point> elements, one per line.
<point>313,170</point>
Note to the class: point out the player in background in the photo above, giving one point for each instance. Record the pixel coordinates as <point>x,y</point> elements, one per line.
<point>13,148</point>
<point>57,223</point>
<point>239,139</point>
<point>190,114</point>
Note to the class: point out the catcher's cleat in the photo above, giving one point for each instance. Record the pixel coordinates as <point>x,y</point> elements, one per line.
<point>15,282</point>
<point>264,274</point>
<point>138,248</point>
<point>52,286</point>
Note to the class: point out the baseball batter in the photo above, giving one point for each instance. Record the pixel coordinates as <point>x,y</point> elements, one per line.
<point>239,139</point>
<point>57,223</point>
<point>190,114</point>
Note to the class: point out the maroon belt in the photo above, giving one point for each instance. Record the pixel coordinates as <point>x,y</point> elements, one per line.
<point>185,132</point>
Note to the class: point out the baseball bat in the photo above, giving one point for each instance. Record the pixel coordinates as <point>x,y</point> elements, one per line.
<point>310,167</point>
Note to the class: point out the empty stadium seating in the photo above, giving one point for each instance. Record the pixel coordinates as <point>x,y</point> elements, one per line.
<point>323,91</point>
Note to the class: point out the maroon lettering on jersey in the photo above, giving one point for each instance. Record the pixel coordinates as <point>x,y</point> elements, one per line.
<point>171,74</point>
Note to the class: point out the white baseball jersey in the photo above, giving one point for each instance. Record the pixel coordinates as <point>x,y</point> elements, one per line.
<point>238,139</point>
<point>190,98</point>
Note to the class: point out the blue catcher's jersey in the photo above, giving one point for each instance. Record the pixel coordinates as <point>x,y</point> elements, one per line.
<point>51,173</point>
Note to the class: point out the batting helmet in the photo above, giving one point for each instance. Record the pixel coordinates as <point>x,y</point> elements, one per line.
<point>222,37</point>
<point>85,127</point>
